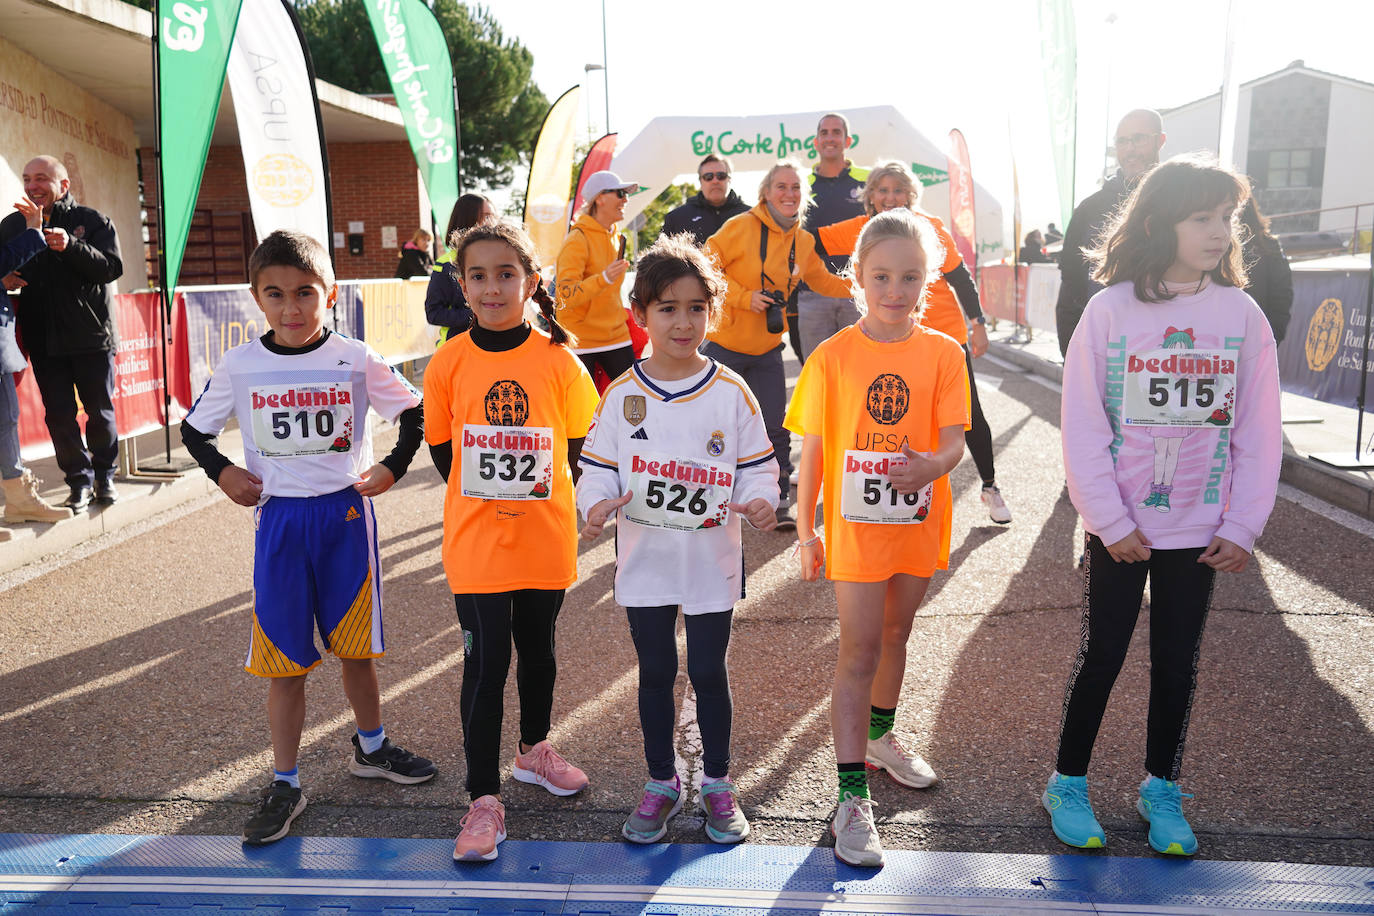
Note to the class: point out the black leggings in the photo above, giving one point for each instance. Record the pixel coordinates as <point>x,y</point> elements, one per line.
<point>1180,593</point>
<point>614,363</point>
<point>978,437</point>
<point>489,623</point>
<point>654,631</point>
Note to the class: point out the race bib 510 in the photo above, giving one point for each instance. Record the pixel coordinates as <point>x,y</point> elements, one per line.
<point>292,421</point>
<point>867,496</point>
<point>507,462</point>
<point>679,493</point>
<point>1181,388</point>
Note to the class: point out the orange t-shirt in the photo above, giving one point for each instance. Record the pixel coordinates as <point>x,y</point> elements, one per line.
<point>862,397</point>
<point>510,520</point>
<point>942,311</point>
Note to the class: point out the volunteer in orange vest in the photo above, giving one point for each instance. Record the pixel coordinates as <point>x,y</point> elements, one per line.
<point>952,305</point>
<point>590,274</point>
<point>765,255</point>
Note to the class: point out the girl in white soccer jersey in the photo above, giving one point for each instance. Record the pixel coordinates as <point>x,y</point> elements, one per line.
<point>1172,446</point>
<point>679,449</point>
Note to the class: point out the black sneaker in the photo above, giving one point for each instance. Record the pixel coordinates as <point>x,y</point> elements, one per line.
<point>390,762</point>
<point>105,492</point>
<point>279,806</point>
<point>785,520</point>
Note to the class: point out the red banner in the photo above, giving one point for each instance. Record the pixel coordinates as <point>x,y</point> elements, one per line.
<point>961,219</point>
<point>138,378</point>
<point>598,159</point>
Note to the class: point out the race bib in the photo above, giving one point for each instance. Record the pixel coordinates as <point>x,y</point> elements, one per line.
<point>868,497</point>
<point>678,493</point>
<point>1181,388</point>
<point>507,462</point>
<point>293,421</point>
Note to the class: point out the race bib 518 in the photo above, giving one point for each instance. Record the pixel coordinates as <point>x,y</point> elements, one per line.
<point>292,421</point>
<point>507,462</point>
<point>679,493</point>
<point>867,495</point>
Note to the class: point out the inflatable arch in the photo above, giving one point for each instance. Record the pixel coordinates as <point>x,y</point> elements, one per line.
<point>669,147</point>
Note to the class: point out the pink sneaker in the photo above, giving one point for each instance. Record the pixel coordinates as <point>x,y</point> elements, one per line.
<point>542,766</point>
<point>481,829</point>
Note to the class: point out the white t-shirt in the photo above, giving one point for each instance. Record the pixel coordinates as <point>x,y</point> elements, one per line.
<point>685,448</point>
<point>303,413</point>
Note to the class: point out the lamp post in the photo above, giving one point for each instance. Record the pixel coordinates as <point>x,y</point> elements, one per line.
<point>587,69</point>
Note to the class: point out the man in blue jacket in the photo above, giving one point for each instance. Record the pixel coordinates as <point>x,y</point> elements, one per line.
<point>66,317</point>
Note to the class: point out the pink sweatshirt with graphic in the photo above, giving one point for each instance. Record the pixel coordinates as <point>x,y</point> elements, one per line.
<point>1180,485</point>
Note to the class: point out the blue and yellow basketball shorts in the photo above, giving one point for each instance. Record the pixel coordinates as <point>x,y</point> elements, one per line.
<point>315,567</point>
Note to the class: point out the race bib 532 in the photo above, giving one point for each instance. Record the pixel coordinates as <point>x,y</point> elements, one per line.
<point>507,462</point>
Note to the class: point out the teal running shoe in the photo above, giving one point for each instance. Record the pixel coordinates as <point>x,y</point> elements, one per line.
<point>1161,803</point>
<point>649,822</point>
<point>1071,815</point>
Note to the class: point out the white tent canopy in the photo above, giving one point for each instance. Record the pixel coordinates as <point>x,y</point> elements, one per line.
<point>669,147</point>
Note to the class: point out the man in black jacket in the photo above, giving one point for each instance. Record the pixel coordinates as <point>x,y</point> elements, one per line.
<point>1139,137</point>
<point>66,317</point>
<point>703,214</point>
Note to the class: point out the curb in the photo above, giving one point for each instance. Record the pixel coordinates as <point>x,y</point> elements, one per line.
<point>1329,484</point>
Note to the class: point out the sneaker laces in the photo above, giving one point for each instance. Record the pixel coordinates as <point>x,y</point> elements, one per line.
<point>480,819</point>
<point>1071,794</point>
<point>1167,799</point>
<point>896,742</point>
<point>542,758</point>
<point>861,820</point>
<point>654,800</point>
<point>721,801</point>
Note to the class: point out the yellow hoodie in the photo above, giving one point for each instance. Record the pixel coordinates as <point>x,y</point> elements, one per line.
<point>736,249</point>
<point>588,306</point>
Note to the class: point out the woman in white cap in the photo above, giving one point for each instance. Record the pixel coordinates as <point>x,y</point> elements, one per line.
<point>590,273</point>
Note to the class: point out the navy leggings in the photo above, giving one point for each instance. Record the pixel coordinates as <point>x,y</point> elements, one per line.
<point>490,622</point>
<point>1180,593</point>
<point>654,631</point>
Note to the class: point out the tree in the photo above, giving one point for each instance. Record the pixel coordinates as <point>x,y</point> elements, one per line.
<point>658,209</point>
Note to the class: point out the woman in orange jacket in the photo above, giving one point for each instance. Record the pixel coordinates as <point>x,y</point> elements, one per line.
<point>952,305</point>
<point>590,273</point>
<point>765,255</point>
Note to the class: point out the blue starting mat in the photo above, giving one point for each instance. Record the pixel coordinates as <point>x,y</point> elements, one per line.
<point>102,875</point>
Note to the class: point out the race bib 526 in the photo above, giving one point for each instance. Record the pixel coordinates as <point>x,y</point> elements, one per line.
<point>680,493</point>
<point>1181,388</point>
<point>507,462</point>
<point>867,495</point>
<point>291,421</point>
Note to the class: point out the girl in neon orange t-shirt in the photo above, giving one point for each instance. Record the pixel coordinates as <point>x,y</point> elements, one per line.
<point>506,410</point>
<point>882,407</point>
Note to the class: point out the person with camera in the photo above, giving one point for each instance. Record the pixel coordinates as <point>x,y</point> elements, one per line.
<point>765,255</point>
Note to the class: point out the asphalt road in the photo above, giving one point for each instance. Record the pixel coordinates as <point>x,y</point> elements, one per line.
<point>126,709</point>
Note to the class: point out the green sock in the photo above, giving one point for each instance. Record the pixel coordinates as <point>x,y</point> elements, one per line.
<point>853,780</point>
<point>880,722</point>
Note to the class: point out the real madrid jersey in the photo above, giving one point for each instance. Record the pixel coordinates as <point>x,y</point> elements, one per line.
<point>686,449</point>
<point>303,413</point>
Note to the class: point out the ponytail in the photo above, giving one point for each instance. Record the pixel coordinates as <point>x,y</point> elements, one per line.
<point>557,333</point>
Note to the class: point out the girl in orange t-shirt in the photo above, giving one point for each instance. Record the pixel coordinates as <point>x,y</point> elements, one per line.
<point>506,410</point>
<point>882,407</point>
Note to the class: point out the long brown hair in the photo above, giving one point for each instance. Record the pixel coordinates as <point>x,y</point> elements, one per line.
<point>1140,245</point>
<point>517,238</point>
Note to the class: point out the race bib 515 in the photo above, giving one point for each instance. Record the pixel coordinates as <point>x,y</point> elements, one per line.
<point>507,462</point>
<point>1181,388</point>
<point>867,496</point>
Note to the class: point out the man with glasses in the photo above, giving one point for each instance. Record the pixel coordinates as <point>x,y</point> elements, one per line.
<point>704,213</point>
<point>1139,137</point>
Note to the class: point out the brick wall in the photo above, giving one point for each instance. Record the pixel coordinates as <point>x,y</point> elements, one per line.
<point>373,183</point>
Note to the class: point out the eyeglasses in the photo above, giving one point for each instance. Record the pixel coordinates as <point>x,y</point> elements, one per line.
<point>715,176</point>
<point>1135,140</point>
<point>622,193</point>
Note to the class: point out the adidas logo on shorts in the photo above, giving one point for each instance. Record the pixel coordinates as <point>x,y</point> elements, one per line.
<point>352,514</point>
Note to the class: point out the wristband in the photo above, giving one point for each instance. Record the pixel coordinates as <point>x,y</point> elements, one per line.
<point>981,319</point>
<point>606,278</point>
<point>798,545</point>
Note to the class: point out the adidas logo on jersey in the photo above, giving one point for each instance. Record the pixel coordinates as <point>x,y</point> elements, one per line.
<point>352,514</point>
<point>640,434</point>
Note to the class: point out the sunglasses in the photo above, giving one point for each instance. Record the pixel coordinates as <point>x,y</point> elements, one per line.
<point>618,192</point>
<point>715,176</point>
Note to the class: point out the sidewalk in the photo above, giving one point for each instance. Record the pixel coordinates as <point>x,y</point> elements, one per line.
<point>1310,427</point>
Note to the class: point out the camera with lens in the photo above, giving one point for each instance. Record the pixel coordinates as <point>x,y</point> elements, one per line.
<point>772,313</point>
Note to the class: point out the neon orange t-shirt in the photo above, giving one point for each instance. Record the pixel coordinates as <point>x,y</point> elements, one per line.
<point>510,520</point>
<point>863,396</point>
<point>942,311</point>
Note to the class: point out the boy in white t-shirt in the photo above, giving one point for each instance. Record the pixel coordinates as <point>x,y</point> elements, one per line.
<point>301,395</point>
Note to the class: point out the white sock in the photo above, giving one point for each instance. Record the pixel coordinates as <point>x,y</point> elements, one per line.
<point>371,741</point>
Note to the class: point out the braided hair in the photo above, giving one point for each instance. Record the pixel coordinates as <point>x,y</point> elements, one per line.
<point>518,239</point>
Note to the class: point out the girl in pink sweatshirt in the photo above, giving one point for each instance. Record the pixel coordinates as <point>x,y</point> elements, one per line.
<point>1172,446</point>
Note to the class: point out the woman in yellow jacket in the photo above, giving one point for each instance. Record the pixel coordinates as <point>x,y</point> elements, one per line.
<point>765,255</point>
<point>590,272</point>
